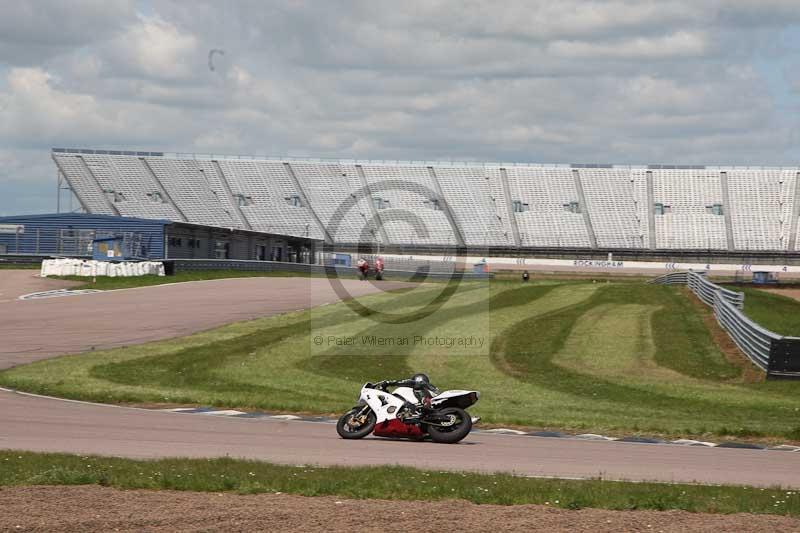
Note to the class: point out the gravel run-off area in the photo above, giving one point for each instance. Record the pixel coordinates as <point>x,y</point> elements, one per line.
<point>93,508</point>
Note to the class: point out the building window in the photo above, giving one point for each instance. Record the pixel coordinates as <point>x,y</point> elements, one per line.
<point>222,250</point>
<point>380,203</point>
<point>519,206</point>
<point>156,197</point>
<point>434,204</point>
<point>573,207</point>
<point>294,201</point>
<point>243,200</point>
<point>114,196</point>
<point>175,242</point>
<point>715,209</point>
<point>662,209</point>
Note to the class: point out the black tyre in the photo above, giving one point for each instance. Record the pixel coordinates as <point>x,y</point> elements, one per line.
<point>351,425</point>
<point>450,434</point>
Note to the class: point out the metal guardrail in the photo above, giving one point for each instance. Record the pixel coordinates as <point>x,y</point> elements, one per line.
<point>709,292</point>
<point>673,278</point>
<point>753,340</point>
<point>775,354</point>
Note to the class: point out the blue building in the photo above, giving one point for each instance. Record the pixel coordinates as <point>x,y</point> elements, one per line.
<point>72,234</point>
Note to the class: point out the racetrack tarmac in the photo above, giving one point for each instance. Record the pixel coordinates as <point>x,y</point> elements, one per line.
<point>15,283</point>
<point>39,329</point>
<point>52,425</point>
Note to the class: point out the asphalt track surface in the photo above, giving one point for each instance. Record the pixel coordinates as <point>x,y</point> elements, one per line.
<point>38,329</point>
<point>52,425</point>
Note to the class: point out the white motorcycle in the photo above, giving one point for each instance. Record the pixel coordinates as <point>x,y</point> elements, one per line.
<point>415,409</point>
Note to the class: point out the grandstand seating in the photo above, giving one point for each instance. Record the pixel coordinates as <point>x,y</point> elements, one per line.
<point>405,198</point>
<point>762,202</point>
<point>547,192</point>
<point>687,222</point>
<point>86,188</point>
<point>613,202</point>
<point>470,190</point>
<point>334,192</point>
<point>268,198</point>
<point>441,204</point>
<point>192,194</point>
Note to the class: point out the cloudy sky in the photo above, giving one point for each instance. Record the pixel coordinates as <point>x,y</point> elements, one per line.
<point>619,81</point>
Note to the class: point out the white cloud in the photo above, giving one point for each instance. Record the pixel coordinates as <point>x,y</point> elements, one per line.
<point>678,44</point>
<point>624,81</point>
<point>155,48</point>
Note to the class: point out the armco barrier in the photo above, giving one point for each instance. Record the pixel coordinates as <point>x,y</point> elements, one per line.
<point>673,278</point>
<point>708,292</point>
<point>775,354</point>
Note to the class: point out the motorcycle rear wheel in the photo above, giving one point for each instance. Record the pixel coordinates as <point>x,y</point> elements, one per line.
<point>454,433</point>
<point>346,431</point>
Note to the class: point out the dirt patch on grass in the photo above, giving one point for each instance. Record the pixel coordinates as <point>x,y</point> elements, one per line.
<point>793,293</point>
<point>750,373</point>
<point>92,508</point>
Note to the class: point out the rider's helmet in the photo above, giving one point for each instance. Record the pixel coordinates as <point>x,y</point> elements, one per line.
<point>420,380</point>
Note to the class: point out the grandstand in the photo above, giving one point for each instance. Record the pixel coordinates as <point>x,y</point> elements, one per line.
<point>424,205</point>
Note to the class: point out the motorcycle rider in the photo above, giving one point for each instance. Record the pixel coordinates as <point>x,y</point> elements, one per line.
<point>421,383</point>
<point>363,268</point>
<point>379,268</point>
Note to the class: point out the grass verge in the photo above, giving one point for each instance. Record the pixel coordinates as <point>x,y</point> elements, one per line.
<point>20,266</point>
<point>396,483</point>
<point>775,312</point>
<point>107,283</point>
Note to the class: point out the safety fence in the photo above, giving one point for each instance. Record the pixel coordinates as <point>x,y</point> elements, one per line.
<point>777,355</point>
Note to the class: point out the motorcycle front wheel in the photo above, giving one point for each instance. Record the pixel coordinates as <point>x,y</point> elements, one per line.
<point>356,425</point>
<point>459,426</point>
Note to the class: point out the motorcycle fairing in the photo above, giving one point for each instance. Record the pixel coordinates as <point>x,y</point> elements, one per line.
<point>455,398</point>
<point>384,404</point>
<point>397,429</point>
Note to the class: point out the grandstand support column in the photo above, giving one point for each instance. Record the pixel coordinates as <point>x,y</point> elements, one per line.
<point>651,213</point>
<point>375,216</point>
<point>795,215</point>
<point>587,219</point>
<point>89,172</point>
<point>447,211</point>
<point>510,208</point>
<point>63,176</point>
<point>59,181</point>
<point>163,190</point>
<point>305,201</point>
<point>727,210</point>
<point>229,194</point>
